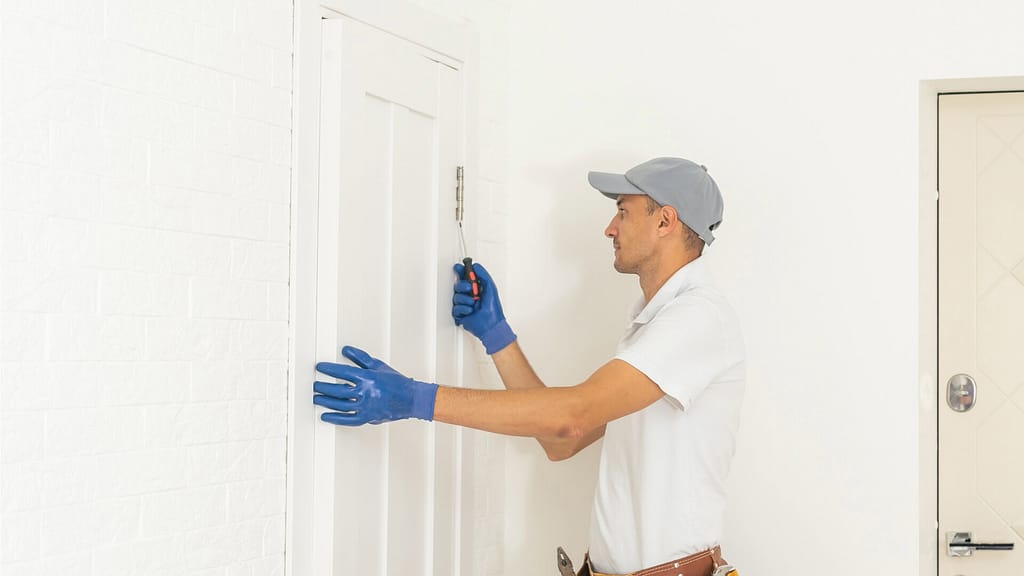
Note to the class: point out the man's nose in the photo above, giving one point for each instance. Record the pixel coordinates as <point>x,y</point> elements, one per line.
<point>611,230</point>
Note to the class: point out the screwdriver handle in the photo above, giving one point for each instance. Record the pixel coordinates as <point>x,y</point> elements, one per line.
<point>469,275</point>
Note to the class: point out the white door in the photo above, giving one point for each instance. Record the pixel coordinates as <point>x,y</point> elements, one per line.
<point>390,125</point>
<point>981,331</point>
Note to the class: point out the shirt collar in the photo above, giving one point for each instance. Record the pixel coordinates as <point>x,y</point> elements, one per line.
<point>689,275</point>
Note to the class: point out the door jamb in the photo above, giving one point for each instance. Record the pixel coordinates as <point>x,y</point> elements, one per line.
<point>928,327</point>
<point>454,40</point>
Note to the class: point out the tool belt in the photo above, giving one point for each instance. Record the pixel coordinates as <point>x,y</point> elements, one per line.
<point>706,563</point>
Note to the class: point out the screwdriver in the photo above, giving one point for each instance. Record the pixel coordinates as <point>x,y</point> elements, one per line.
<point>469,274</point>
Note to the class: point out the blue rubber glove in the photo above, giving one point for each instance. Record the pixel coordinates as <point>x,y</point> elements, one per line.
<point>483,318</point>
<point>373,394</point>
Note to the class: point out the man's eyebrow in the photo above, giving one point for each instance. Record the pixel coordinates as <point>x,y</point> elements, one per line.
<point>619,201</point>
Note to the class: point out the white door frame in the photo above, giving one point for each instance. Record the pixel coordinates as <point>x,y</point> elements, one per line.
<point>307,546</point>
<point>928,323</point>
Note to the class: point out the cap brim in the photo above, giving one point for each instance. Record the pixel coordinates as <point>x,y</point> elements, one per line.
<point>612,185</point>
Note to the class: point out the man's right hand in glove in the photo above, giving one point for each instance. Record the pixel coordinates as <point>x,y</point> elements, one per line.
<point>483,318</point>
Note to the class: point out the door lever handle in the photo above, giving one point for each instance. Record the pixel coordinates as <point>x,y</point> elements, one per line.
<point>960,544</point>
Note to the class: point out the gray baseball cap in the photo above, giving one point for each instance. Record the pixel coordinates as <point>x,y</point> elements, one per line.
<point>674,182</point>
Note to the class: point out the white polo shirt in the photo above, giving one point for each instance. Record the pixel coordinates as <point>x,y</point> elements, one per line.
<point>661,483</point>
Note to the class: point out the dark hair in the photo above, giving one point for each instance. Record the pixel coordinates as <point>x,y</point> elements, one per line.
<point>691,240</point>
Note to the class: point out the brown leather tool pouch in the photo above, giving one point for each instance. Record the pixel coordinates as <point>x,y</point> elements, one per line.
<point>706,563</point>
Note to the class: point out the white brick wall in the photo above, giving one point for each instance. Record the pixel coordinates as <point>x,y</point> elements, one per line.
<point>144,190</point>
<point>144,201</point>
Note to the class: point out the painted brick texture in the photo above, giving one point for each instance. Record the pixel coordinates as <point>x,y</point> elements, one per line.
<point>144,229</point>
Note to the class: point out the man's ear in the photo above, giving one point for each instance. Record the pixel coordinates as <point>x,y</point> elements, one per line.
<point>669,217</point>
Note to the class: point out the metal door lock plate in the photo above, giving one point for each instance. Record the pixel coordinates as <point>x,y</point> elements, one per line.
<point>961,392</point>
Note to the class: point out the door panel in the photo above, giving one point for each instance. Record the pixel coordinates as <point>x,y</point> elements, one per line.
<point>389,148</point>
<point>413,331</point>
<point>981,327</point>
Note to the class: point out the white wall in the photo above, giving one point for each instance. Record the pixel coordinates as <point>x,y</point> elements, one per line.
<point>144,215</point>
<point>806,114</point>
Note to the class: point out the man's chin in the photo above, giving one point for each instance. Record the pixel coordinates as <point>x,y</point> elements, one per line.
<point>622,268</point>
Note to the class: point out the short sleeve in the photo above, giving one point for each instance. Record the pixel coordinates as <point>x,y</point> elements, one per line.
<point>682,349</point>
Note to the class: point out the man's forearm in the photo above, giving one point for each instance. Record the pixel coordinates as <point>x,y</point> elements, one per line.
<point>515,370</point>
<point>538,412</point>
<point>550,415</point>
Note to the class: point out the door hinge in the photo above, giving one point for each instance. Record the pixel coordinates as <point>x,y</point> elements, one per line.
<point>459,189</point>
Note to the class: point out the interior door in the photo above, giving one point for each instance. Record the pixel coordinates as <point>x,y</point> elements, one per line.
<point>389,146</point>
<point>981,333</point>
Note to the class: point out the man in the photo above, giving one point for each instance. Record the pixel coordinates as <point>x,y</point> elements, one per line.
<point>667,404</point>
